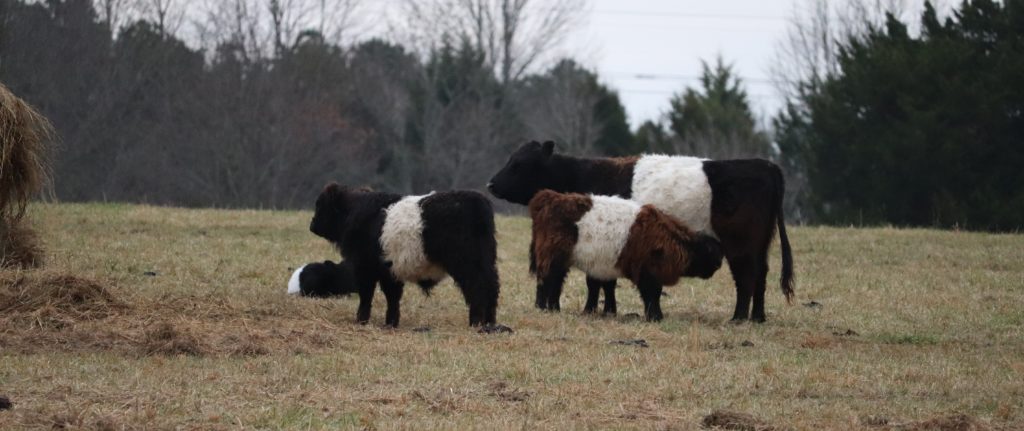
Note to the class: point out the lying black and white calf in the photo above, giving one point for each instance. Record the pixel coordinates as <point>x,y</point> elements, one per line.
<point>322,280</point>
<point>392,239</point>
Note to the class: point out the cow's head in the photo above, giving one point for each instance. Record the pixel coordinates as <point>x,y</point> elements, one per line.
<point>527,172</point>
<point>331,210</point>
<point>705,256</point>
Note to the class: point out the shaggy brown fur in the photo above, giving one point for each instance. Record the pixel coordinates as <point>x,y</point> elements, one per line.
<point>654,247</point>
<point>659,249</point>
<point>19,246</point>
<point>24,169</point>
<point>554,228</point>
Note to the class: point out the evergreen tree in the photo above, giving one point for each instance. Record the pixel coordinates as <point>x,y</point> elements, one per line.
<point>923,130</point>
<point>715,121</point>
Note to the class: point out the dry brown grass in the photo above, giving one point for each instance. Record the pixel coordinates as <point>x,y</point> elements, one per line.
<point>915,327</point>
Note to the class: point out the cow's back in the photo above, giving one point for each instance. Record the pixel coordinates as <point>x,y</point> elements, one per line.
<point>676,185</point>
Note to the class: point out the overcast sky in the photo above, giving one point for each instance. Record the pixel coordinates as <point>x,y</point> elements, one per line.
<point>648,49</point>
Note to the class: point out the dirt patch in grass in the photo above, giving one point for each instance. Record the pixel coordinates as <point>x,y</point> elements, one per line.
<point>953,422</point>
<point>165,339</point>
<point>504,392</point>
<point>817,342</point>
<point>73,420</point>
<point>53,300</point>
<point>728,420</point>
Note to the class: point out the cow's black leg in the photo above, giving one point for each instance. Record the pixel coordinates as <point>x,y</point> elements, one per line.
<point>551,285</point>
<point>365,284</point>
<point>761,274</point>
<point>650,292</point>
<point>609,298</point>
<point>479,285</point>
<point>392,290</point>
<point>744,271</point>
<point>593,293</point>
<point>542,296</point>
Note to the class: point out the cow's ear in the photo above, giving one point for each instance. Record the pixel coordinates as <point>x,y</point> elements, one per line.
<point>548,148</point>
<point>332,188</point>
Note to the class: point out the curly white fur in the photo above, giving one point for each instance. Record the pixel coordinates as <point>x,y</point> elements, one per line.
<point>603,232</point>
<point>402,242</point>
<point>293,283</point>
<point>676,185</point>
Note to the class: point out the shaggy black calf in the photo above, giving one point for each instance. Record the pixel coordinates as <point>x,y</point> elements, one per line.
<point>391,239</point>
<point>322,280</point>
<point>739,201</point>
<point>608,238</point>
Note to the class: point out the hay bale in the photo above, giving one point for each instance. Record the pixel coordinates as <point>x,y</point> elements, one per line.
<point>51,299</point>
<point>25,136</point>
<point>19,246</point>
<point>727,420</point>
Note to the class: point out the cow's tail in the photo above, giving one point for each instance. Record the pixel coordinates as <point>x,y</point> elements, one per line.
<point>787,254</point>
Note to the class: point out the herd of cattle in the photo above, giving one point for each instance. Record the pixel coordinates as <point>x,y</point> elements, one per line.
<point>651,219</point>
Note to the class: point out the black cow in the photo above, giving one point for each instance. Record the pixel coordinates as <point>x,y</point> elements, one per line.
<point>391,239</point>
<point>739,201</point>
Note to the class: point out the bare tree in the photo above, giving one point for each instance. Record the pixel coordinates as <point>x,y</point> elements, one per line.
<point>560,106</point>
<point>166,14</point>
<point>115,13</point>
<point>514,35</point>
<point>808,53</point>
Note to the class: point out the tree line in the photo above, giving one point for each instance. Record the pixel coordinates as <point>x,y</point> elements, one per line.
<point>916,123</point>
<point>889,119</point>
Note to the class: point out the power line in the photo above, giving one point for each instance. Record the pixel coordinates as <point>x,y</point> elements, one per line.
<point>673,92</point>
<point>641,76</point>
<point>662,14</point>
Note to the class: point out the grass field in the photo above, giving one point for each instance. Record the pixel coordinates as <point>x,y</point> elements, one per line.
<point>913,325</point>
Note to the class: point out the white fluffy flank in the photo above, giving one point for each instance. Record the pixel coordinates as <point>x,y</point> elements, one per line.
<point>293,283</point>
<point>603,232</point>
<point>402,242</point>
<point>676,185</point>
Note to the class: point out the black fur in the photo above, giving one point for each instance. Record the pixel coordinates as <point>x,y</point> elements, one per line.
<point>535,167</point>
<point>746,209</point>
<point>326,279</point>
<point>458,236</point>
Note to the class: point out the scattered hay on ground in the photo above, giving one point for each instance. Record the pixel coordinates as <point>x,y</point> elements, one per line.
<point>727,420</point>
<point>53,300</point>
<point>165,339</point>
<point>243,346</point>
<point>19,245</point>
<point>956,422</point>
